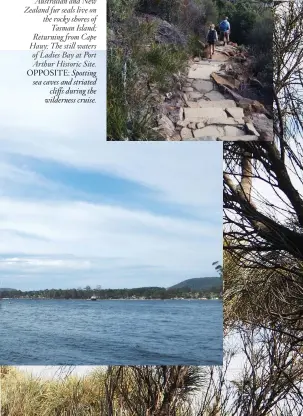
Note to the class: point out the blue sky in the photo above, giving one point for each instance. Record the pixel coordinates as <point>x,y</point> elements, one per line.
<point>77,211</point>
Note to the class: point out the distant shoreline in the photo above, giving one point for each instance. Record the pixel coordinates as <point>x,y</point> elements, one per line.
<point>98,300</point>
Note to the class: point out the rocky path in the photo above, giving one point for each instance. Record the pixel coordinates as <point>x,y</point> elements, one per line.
<point>208,114</point>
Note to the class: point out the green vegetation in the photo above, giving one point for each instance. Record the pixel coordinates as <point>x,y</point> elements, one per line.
<point>210,291</point>
<point>127,391</point>
<point>252,25</point>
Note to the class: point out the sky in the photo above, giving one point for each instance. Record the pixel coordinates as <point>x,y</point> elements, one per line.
<point>76,210</point>
<point>125,215</point>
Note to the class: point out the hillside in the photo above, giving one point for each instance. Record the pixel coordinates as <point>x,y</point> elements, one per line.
<point>6,289</point>
<point>200,283</point>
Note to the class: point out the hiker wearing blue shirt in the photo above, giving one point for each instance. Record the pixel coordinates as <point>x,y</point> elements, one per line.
<point>212,38</point>
<point>225,30</point>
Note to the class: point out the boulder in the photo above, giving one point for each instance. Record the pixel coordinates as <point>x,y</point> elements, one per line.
<point>263,125</point>
<point>169,34</point>
<point>166,126</point>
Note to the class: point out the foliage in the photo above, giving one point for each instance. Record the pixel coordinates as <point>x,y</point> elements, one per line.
<point>270,383</point>
<point>119,10</point>
<point>243,17</point>
<point>263,201</point>
<point>161,61</point>
<point>261,46</point>
<point>131,391</point>
<point>142,292</point>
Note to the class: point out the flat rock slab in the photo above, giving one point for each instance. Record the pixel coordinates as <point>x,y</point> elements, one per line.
<point>237,112</point>
<point>182,123</point>
<point>202,72</point>
<point>200,114</point>
<point>217,104</point>
<point>233,131</point>
<point>206,139</point>
<point>202,86</point>
<point>221,79</point>
<point>193,104</point>
<point>194,95</point>
<point>212,62</point>
<point>215,96</point>
<point>228,121</point>
<point>239,138</point>
<point>210,131</point>
<point>251,130</point>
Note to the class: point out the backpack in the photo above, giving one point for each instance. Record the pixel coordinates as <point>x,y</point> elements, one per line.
<point>224,26</point>
<point>211,35</point>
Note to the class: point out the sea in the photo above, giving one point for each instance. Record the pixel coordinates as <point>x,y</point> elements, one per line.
<point>111,332</point>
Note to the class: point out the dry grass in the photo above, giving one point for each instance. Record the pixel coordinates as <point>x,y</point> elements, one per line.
<point>116,391</point>
<point>25,395</point>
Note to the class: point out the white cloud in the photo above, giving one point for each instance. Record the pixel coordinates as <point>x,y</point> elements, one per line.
<point>59,236</point>
<point>63,236</point>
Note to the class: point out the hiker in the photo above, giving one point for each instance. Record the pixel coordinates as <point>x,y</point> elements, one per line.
<point>225,30</point>
<point>212,38</point>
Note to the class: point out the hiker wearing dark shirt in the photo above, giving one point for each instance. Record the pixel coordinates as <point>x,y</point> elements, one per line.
<point>212,38</point>
<point>225,30</point>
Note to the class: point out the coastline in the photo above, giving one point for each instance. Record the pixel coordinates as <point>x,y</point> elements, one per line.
<point>99,300</point>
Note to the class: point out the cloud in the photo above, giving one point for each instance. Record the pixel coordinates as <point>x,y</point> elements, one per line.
<point>75,210</point>
<point>74,242</point>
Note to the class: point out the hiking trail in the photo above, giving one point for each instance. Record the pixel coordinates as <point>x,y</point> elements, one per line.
<point>211,109</point>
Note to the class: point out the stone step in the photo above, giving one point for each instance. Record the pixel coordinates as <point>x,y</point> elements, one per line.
<point>210,61</point>
<point>224,138</point>
<point>200,114</point>
<point>202,86</point>
<point>215,96</point>
<point>247,138</point>
<point>203,72</point>
<point>236,112</point>
<point>219,131</point>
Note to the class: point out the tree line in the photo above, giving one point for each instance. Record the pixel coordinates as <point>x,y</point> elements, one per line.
<point>87,292</point>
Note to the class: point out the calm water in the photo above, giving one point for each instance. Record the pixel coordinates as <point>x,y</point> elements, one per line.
<point>68,332</point>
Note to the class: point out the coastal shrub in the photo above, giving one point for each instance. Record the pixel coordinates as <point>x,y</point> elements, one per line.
<point>116,103</point>
<point>119,10</point>
<point>195,46</point>
<point>261,46</point>
<point>163,61</point>
<point>129,103</point>
<point>168,10</point>
<point>131,391</point>
<point>244,16</point>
